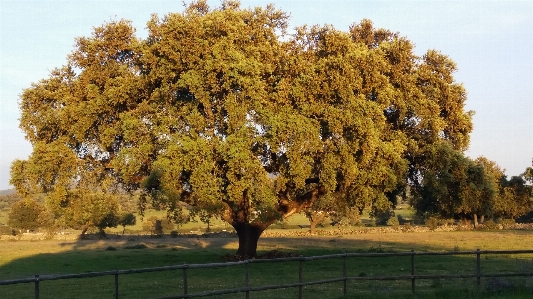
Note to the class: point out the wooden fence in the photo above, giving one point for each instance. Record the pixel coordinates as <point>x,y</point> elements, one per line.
<point>344,278</point>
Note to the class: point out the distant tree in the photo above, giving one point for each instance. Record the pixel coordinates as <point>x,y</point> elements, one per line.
<point>528,174</point>
<point>514,199</point>
<point>127,219</point>
<point>9,199</point>
<point>315,217</point>
<point>321,209</point>
<point>26,214</point>
<point>157,226</point>
<point>438,194</point>
<point>82,209</point>
<point>453,185</point>
<point>488,189</point>
<point>477,192</point>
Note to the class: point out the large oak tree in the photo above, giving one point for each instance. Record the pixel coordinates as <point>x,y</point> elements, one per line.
<point>224,111</point>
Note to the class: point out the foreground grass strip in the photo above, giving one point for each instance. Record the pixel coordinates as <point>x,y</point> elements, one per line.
<point>268,286</point>
<point>23,259</point>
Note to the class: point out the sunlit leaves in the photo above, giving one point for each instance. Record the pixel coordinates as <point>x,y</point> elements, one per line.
<point>220,109</point>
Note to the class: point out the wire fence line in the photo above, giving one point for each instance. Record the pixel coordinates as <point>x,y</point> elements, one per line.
<point>247,289</point>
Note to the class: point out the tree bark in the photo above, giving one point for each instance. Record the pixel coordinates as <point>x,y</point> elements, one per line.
<point>312,227</point>
<point>249,230</point>
<point>84,229</point>
<point>475,220</point>
<point>248,237</point>
<point>315,217</point>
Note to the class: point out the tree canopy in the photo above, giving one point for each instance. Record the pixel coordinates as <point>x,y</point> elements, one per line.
<point>28,214</point>
<point>224,110</point>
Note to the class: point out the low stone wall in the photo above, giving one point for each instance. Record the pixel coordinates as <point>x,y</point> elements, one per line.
<point>389,229</point>
<point>304,232</point>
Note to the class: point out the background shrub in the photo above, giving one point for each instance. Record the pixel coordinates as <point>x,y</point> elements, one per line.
<point>393,221</point>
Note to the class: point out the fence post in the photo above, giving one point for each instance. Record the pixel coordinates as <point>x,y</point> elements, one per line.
<point>185,281</point>
<point>413,271</point>
<point>116,284</point>
<point>36,286</point>
<point>247,280</point>
<point>345,274</point>
<point>300,277</point>
<point>478,262</point>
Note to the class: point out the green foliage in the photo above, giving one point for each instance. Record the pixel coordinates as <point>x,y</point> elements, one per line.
<point>383,217</point>
<point>126,219</point>
<point>29,214</point>
<point>432,223</point>
<point>6,201</point>
<point>157,226</point>
<point>81,209</point>
<point>393,221</point>
<point>348,216</point>
<point>514,199</point>
<point>222,111</point>
<point>454,185</point>
<point>490,224</point>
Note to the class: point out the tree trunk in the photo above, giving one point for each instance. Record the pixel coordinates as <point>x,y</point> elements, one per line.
<point>101,233</point>
<point>312,227</point>
<point>83,231</point>
<point>248,237</point>
<point>475,220</point>
<point>315,217</point>
<point>482,219</point>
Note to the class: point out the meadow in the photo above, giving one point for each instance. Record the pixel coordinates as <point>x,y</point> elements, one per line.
<point>25,258</point>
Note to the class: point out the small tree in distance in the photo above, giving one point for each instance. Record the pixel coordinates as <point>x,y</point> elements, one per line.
<point>127,219</point>
<point>27,214</point>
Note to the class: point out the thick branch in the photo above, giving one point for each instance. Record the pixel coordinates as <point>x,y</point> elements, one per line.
<point>288,207</point>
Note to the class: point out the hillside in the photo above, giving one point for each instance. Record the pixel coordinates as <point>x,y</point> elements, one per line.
<point>8,192</point>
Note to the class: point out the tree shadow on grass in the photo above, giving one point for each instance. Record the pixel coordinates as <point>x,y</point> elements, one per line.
<point>80,256</point>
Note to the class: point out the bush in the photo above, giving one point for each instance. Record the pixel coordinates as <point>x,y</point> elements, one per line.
<point>407,225</point>
<point>383,216</point>
<point>506,223</point>
<point>446,221</point>
<point>490,224</point>
<point>371,223</point>
<point>158,226</point>
<point>6,230</point>
<point>136,246</point>
<point>174,234</point>
<point>393,221</point>
<point>432,223</point>
<point>26,215</point>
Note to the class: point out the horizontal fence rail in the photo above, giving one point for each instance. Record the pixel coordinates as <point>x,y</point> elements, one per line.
<point>300,284</point>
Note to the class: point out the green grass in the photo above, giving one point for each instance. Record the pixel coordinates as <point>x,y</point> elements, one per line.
<point>24,259</point>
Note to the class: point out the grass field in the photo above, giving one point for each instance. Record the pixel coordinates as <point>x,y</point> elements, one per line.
<point>24,259</point>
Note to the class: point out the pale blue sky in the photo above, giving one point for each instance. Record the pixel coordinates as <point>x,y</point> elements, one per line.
<point>491,42</point>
